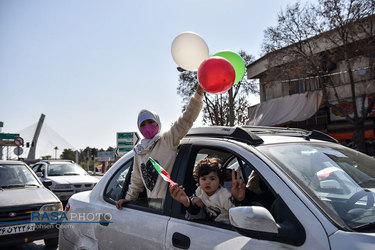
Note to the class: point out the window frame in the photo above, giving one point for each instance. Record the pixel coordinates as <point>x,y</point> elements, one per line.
<point>191,151</point>
<point>123,190</point>
<point>132,204</point>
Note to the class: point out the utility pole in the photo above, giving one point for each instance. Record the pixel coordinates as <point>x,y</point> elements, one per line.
<point>77,161</point>
<point>231,109</point>
<point>88,159</point>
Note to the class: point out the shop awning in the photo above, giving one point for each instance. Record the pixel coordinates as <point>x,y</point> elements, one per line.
<point>297,107</point>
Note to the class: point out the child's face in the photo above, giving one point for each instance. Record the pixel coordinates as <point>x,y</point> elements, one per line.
<point>209,183</point>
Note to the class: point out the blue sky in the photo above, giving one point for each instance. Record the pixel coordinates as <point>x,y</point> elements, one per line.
<point>91,65</point>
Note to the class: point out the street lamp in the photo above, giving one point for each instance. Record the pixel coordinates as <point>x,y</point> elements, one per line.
<point>56,148</point>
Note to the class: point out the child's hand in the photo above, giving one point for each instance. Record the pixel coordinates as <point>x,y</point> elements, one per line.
<point>238,187</point>
<point>197,201</point>
<point>178,193</point>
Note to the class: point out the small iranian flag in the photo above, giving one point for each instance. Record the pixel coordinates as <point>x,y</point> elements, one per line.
<point>164,174</point>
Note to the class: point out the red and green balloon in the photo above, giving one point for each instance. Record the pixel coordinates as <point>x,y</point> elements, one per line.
<point>236,61</point>
<point>216,74</point>
<point>220,72</point>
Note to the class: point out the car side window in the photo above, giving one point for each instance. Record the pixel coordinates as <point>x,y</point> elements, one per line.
<point>36,168</point>
<point>257,191</point>
<point>115,189</point>
<point>228,161</point>
<point>39,168</point>
<point>118,186</point>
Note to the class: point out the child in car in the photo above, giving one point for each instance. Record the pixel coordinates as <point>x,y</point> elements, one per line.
<point>211,196</point>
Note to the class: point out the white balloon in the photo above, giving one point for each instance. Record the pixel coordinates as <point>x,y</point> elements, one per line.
<point>189,50</point>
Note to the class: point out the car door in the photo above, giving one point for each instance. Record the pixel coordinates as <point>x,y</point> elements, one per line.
<point>184,234</point>
<point>136,226</point>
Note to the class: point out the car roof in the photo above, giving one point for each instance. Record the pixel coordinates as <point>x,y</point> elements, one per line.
<point>56,161</point>
<point>12,162</point>
<point>258,135</point>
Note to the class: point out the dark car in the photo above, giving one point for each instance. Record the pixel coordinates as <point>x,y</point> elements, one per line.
<point>23,200</point>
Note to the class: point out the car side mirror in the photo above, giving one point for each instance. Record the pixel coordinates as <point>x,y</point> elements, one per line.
<point>261,219</point>
<point>258,223</point>
<point>47,183</point>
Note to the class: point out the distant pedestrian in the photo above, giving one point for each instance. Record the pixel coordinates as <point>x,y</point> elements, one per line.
<point>104,168</point>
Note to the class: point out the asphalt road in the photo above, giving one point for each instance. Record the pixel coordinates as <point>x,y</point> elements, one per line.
<point>35,245</point>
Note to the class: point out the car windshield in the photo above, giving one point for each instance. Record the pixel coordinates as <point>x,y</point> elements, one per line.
<point>60,169</point>
<point>14,175</point>
<point>340,180</point>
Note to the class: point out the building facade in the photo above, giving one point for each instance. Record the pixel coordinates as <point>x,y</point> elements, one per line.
<point>295,94</point>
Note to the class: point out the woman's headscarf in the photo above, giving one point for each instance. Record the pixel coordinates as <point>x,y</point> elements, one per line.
<point>147,144</point>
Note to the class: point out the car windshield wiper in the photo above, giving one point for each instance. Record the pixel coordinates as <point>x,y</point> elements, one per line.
<point>71,174</point>
<point>365,227</point>
<point>32,185</point>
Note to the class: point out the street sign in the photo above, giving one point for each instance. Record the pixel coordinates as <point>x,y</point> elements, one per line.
<point>7,136</point>
<point>106,156</point>
<point>18,141</point>
<point>7,143</point>
<point>126,142</point>
<point>18,151</point>
<point>123,150</point>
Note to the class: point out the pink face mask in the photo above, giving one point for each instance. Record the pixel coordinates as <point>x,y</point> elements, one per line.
<point>149,131</point>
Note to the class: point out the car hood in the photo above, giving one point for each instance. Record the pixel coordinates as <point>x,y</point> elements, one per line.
<point>26,196</point>
<point>73,179</point>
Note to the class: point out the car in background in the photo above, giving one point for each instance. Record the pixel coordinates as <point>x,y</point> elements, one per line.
<point>303,191</point>
<point>67,177</point>
<point>21,195</point>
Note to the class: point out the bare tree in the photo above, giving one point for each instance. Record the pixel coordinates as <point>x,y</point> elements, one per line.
<point>225,109</point>
<point>310,38</point>
<point>353,34</point>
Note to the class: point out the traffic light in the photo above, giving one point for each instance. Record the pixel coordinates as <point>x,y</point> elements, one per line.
<point>94,152</point>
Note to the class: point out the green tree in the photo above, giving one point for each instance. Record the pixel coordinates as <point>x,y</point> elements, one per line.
<point>68,154</point>
<point>46,157</point>
<point>225,109</point>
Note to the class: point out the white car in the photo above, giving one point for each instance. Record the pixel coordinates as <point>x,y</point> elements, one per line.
<point>67,177</point>
<point>304,191</point>
<point>23,200</point>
